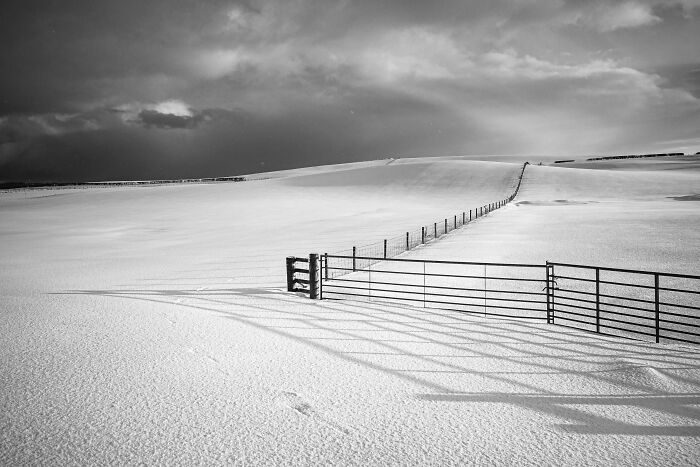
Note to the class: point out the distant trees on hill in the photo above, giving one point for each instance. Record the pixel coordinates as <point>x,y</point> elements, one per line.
<point>635,156</point>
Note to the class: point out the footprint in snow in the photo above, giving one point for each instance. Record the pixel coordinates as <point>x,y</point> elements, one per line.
<point>292,400</point>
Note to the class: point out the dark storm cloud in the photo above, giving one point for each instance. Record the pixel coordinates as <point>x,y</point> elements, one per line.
<point>231,142</point>
<point>155,119</point>
<point>98,89</point>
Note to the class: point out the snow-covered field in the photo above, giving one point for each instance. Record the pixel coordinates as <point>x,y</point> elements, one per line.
<point>149,324</point>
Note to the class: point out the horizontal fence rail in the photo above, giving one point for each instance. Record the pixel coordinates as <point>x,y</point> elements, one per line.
<point>661,307</point>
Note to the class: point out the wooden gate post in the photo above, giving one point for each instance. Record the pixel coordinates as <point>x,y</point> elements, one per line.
<point>290,273</point>
<point>313,276</point>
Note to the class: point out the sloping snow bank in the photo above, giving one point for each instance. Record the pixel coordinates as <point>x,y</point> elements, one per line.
<point>628,219</point>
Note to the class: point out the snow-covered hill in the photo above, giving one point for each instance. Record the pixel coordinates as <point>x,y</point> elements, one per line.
<point>150,324</point>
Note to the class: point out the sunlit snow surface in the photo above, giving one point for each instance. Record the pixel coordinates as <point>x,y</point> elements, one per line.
<point>149,324</point>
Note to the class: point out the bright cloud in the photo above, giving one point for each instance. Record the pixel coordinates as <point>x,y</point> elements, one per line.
<point>171,107</point>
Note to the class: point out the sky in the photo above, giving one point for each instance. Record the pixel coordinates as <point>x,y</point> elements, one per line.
<point>98,90</point>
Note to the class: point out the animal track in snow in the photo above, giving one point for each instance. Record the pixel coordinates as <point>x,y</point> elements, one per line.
<point>292,400</point>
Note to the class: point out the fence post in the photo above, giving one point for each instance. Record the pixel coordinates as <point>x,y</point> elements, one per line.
<point>464,217</point>
<point>455,221</point>
<point>354,251</point>
<point>597,299</point>
<point>470,215</point>
<point>435,227</point>
<point>313,276</point>
<point>385,248</point>
<point>445,225</point>
<point>422,234</point>
<point>407,248</point>
<point>325,263</point>
<point>656,305</point>
<point>290,273</point>
<point>550,292</point>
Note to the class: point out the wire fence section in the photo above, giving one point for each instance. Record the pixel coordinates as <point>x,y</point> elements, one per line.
<point>366,255</point>
<point>484,289</point>
<point>626,303</point>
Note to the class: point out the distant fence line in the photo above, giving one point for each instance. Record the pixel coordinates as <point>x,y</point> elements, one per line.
<point>646,305</point>
<point>391,247</point>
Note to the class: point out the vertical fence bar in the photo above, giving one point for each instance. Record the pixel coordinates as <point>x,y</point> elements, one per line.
<point>470,215</point>
<point>320,278</point>
<point>656,305</point>
<point>597,299</point>
<point>455,221</point>
<point>313,282</point>
<point>445,225</point>
<point>325,263</point>
<point>551,281</point>
<point>290,273</point>
<point>484,290</point>
<point>385,248</point>
<point>435,227</point>
<point>369,282</point>
<point>422,234</point>
<point>407,247</point>
<point>464,218</point>
<point>549,309</point>
<point>552,288</point>
<point>424,284</point>
<point>354,253</point>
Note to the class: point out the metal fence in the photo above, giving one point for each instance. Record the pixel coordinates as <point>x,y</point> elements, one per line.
<point>391,247</point>
<point>621,302</point>
<point>626,302</point>
<point>486,289</point>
